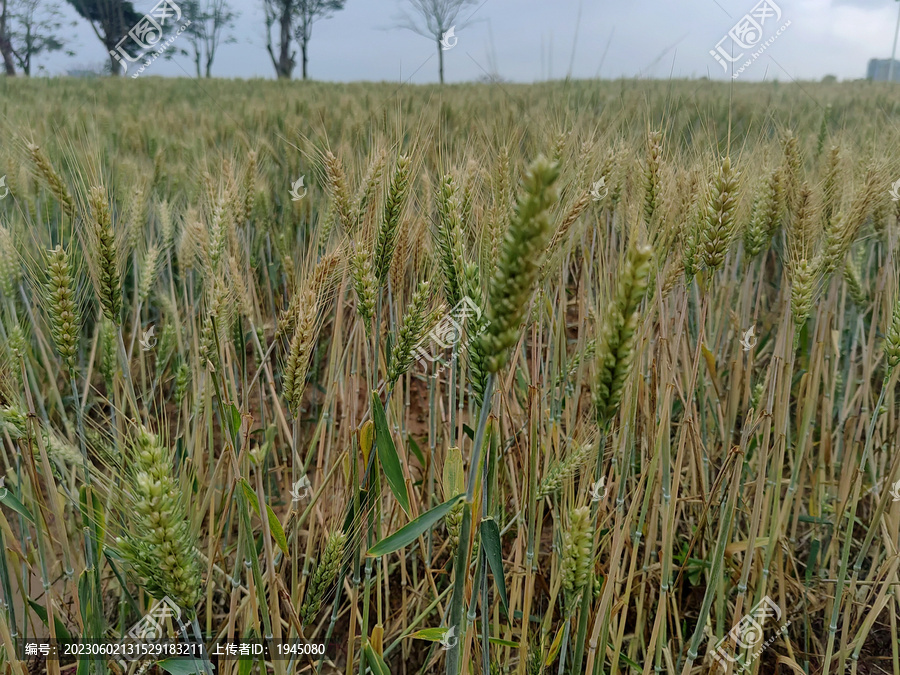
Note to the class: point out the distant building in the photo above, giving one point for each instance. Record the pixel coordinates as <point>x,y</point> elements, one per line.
<point>878,70</point>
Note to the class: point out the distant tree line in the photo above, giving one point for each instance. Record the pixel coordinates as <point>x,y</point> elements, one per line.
<point>30,28</point>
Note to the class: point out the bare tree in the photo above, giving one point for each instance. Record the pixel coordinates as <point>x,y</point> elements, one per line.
<point>308,12</point>
<point>432,19</point>
<point>211,21</point>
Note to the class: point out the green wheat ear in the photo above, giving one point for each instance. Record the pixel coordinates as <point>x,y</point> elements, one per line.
<point>109,359</point>
<point>326,572</point>
<point>449,240</point>
<point>160,545</point>
<point>765,216</point>
<point>577,542</point>
<point>367,191</point>
<point>841,232</point>
<point>248,186</point>
<point>412,331</point>
<point>365,285</point>
<point>108,275</point>
<point>804,266</point>
<point>297,363</point>
<point>892,339</point>
<point>12,422</point>
<point>792,172</point>
<point>651,176</point>
<point>10,272</point>
<point>44,170</point>
<point>615,351</point>
<point>717,227</point>
<point>565,469</point>
<point>520,259</point>
<point>831,187</point>
<point>338,189</point>
<point>149,270</point>
<point>854,280</point>
<point>65,322</point>
<point>393,207</point>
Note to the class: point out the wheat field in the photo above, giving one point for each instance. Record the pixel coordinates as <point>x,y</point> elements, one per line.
<point>575,377</point>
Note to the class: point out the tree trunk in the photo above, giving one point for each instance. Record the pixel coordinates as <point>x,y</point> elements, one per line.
<point>285,59</point>
<point>8,63</point>
<point>303,52</point>
<point>440,61</point>
<point>115,68</point>
<point>6,46</point>
<point>25,62</point>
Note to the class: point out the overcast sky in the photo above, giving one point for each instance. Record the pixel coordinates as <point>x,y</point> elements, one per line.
<point>529,40</point>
